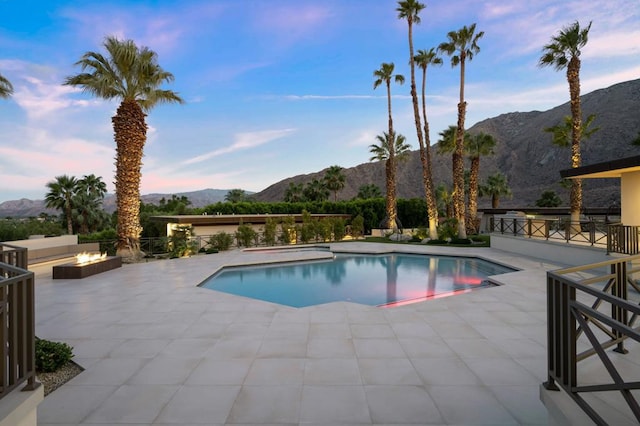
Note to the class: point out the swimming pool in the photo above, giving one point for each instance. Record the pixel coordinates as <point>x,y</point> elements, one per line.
<point>378,280</point>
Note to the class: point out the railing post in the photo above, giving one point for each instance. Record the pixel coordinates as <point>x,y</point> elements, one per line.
<point>515,226</point>
<point>619,289</point>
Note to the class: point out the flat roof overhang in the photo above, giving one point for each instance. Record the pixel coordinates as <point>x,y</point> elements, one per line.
<point>234,219</point>
<point>606,169</point>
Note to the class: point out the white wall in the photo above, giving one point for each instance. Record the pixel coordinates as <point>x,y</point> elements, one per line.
<point>630,198</point>
<point>561,253</point>
<point>39,243</point>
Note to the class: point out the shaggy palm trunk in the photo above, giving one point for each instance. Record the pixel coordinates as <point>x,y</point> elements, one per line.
<point>390,167</point>
<point>425,159</point>
<point>130,132</point>
<point>472,221</point>
<point>392,212</point>
<point>573,77</point>
<point>67,212</point>
<point>458,162</point>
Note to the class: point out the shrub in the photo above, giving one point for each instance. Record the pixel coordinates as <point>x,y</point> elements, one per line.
<point>51,356</point>
<point>415,239</point>
<point>460,241</point>
<point>246,235</point>
<point>437,242</point>
<point>448,229</point>
<point>338,229</point>
<point>421,233</point>
<point>269,236</point>
<point>357,226</point>
<point>220,241</point>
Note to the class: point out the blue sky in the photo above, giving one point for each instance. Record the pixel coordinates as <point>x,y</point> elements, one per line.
<point>276,88</point>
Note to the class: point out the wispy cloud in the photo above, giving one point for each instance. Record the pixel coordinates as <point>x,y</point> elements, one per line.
<point>242,142</point>
<point>331,97</point>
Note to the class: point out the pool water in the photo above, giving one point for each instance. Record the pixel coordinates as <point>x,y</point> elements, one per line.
<point>376,280</point>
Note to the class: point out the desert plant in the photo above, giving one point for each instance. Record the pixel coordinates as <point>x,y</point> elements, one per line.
<point>220,241</point>
<point>51,356</point>
<point>245,235</point>
<point>448,229</point>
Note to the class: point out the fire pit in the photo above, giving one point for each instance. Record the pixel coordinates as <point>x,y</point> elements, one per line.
<point>86,265</point>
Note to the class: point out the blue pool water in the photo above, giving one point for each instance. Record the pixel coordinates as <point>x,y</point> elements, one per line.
<point>388,279</point>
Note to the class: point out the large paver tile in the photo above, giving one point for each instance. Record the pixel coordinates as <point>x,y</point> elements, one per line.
<point>269,371</point>
<point>378,348</point>
<point>220,372</point>
<point>444,371</point>
<point>326,371</point>
<point>401,404</point>
<point>133,404</point>
<point>331,348</point>
<point>71,404</point>
<point>470,405</point>
<point>334,405</point>
<point>267,404</point>
<point>165,371</point>
<point>388,371</point>
<point>109,371</point>
<point>199,404</point>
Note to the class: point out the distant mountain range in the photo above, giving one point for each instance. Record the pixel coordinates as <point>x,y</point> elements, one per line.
<point>523,153</point>
<point>31,208</point>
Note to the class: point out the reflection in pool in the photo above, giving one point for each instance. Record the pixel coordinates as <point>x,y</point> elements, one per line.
<point>387,279</point>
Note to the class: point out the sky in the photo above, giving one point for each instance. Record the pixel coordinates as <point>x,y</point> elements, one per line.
<point>276,88</point>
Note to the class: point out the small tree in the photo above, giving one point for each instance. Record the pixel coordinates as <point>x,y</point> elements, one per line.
<point>495,186</point>
<point>369,191</point>
<point>236,196</point>
<point>357,226</point>
<point>245,235</point>
<point>269,234</point>
<point>548,198</point>
<point>334,180</point>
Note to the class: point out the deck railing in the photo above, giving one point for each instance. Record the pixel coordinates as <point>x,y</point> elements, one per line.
<point>623,239</point>
<point>17,321</point>
<point>587,232</point>
<point>592,308</point>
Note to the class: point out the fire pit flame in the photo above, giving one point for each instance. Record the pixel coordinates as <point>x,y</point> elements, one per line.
<point>83,258</point>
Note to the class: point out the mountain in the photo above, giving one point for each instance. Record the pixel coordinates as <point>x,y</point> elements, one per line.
<point>523,153</point>
<point>32,208</point>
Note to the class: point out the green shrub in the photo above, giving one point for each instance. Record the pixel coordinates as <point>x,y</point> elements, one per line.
<point>437,242</point>
<point>246,235</point>
<point>51,356</point>
<point>460,241</point>
<point>357,226</point>
<point>415,239</point>
<point>338,229</point>
<point>270,231</point>
<point>220,241</point>
<point>448,229</point>
<point>421,233</point>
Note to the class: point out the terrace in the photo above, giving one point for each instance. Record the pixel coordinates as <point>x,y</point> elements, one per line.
<point>157,349</point>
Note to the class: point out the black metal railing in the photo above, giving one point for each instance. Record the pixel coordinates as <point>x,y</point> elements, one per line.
<point>589,232</point>
<point>623,239</point>
<point>593,311</point>
<point>17,321</point>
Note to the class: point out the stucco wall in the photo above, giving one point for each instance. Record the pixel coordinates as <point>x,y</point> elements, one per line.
<point>630,198</point>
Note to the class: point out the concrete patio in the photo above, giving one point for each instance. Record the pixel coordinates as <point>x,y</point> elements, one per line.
<point>158,350</point>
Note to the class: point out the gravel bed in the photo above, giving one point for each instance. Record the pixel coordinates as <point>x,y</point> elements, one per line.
<point>52,381</point>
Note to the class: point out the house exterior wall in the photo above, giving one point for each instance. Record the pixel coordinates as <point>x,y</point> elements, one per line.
<point>630,198</point>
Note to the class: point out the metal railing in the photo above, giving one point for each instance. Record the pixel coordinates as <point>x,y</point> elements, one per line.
<point>593,311</point>
<point>17,321</point>
<point>623,239</point>
<point>587,232</point>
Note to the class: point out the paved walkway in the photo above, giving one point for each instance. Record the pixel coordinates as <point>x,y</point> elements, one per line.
<point>158,350</point>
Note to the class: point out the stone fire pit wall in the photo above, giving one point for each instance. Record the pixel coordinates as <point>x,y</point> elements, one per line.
<point>78,271</point>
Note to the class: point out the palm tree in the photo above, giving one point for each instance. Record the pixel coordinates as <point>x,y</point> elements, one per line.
<point>561,133</point>
<point>132,75</point>
<point>93,186</point>
<point>294,193</point>
<point>382,152</point>
<point>334,180</point>
<point>384,75</point>
<point>461,46</point>
<point>477,146</point>
<point>564,52</point>
<point>236,196</point>
<point>6,89</point>
<point>87,201</point>
<point>444,199</point>
<point>316,190</point>
<point>495,186</point>
<point>60,197</point>
<point>410,10</point>
<point>424,58</point>
<point>368,191</point>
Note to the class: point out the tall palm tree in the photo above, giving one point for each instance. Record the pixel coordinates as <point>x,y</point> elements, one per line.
<point>423,59</point>
<point>477,146</point>
<point>495,186</point>
<point>368,191</point>
<point>60,197</point>
<point>410,10</point>
<point>384,75</point>
<point>133,76</point>
<point>334,179</point>
<point>6,89</point>
<point>462,45</point>
<point>382,152</point>
<point>236,195</point>
<point>316,190</point>
<point>564,52</point>
<point>93,185</point>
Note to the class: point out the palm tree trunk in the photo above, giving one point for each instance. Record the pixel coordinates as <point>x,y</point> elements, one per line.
<point>573,77</point>
<point>391,194</point>
<point>425,159</point>
<point>130,132</point>
<point>458,161</point>
<point>472,224</point>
